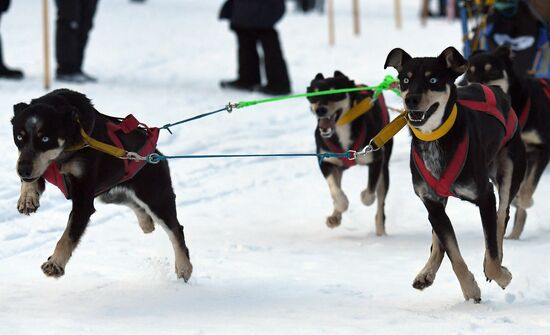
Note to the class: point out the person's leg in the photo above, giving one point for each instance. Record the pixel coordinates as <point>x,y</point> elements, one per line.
<point>249,61</point>
<point>6,72</point>
<point>87,13</point>
<point>66,37</point>
<point>275,65</point>
<point>2,65</point>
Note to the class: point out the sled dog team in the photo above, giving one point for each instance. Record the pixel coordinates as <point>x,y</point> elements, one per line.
<point>494,131</point>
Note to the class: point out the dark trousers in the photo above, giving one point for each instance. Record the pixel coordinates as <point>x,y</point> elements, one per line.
<point>249,60</point>
<point>74,22</point>
<point>2,65</point>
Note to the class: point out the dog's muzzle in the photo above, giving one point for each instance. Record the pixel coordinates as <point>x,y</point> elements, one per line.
<point>418,116</point>
<point>327,126</point>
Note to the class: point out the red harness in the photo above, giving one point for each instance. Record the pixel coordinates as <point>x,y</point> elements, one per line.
<point>131,167</point>
<point>360,140</point>
<point>442,186</point>
<point>524,115</point>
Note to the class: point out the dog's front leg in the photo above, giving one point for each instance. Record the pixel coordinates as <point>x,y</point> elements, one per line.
<point>83,208</point>
<point>493,238</point>
<point>333,175</point>
<point>445,233</point>
<point>29,200</point>
<point>426,276</point>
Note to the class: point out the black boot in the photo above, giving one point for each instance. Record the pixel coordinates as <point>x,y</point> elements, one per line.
<point>238,85</point>
<point>7,73</point>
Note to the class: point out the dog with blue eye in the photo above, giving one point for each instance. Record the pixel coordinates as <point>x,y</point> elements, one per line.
<point>465,140</point>
<point>347,121</point>
<point>55,136</point>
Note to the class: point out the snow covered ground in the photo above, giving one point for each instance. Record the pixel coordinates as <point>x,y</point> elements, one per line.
<point>264,261</point>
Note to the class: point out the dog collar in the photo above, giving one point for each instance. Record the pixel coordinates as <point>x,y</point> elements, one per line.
<point>356,111</point>
<point>439,132</point>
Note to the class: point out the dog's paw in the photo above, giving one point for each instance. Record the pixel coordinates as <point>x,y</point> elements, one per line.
<point>334,220</point>
<point>471,290</point>
<point>341,202</point>
<point>504,279</point>
<point>512,236</point>
<point>51,269</point>
<point>184,270</point>
<point>367,197</point>
<point>28,202</point>
<point>423,280</point>
<point>501,275</point>
<point>146,224</point>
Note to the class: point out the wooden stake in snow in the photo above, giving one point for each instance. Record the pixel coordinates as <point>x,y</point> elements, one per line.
<point>397,5</point>
<point>46,39</point>
<point>330,12</point>
<point>356,18</point>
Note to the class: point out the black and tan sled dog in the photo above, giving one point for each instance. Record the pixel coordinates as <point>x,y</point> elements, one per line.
<point>463,138</point>
<point>52,134</point>
<point>531,100</point>
<point>347,121</point>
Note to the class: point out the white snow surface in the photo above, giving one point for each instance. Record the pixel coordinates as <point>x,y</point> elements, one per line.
<point>264,261</point>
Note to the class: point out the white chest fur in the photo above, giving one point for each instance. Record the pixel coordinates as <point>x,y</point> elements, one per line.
<point>431,154</point>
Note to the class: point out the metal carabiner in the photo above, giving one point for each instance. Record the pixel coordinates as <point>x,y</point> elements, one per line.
<point>231,106</point>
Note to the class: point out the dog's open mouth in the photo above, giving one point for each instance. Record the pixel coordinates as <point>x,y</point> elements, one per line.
<point>327,125</point>
<point>417,117</point>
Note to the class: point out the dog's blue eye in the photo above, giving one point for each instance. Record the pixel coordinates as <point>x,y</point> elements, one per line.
<point>45,139</point>
<point>19,137</point>
<point>433,80</point>
<point>405,80</point>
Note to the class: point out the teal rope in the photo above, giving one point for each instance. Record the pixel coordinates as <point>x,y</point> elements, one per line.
<point>196,117</point>
<point>155,158</point>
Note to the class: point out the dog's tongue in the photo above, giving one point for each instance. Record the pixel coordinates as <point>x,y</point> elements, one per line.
<point>326,123</point>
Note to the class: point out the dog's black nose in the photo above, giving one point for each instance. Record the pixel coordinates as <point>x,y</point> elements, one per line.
<point>321,111</point>
<point>412,101</point>
<point>24,169</point>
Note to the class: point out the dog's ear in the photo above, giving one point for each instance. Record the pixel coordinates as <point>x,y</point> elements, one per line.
<point>339,74</point>
<point>503,51</point>
<point>506,56</point>
<point>319,76</point>
<point>454,61</point>
<point>19,107</point>
<point>397,58</point>
<point>71,125</point>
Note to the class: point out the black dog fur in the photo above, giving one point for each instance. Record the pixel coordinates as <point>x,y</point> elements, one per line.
<point>429,94</point>
<point>532,104</point>
<point>45,130</point>
<point>328,110</point>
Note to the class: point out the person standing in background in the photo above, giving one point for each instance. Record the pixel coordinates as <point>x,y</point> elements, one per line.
<point>253,22</point>
<point>6,72</point>
<point>73,25</point>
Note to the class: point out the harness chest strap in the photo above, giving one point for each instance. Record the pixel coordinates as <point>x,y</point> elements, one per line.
<point>442,186</point>
<point>357,145</point>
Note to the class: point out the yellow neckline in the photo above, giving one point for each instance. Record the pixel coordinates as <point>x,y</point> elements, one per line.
<point>439,132</point>
<point>361,108</point>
